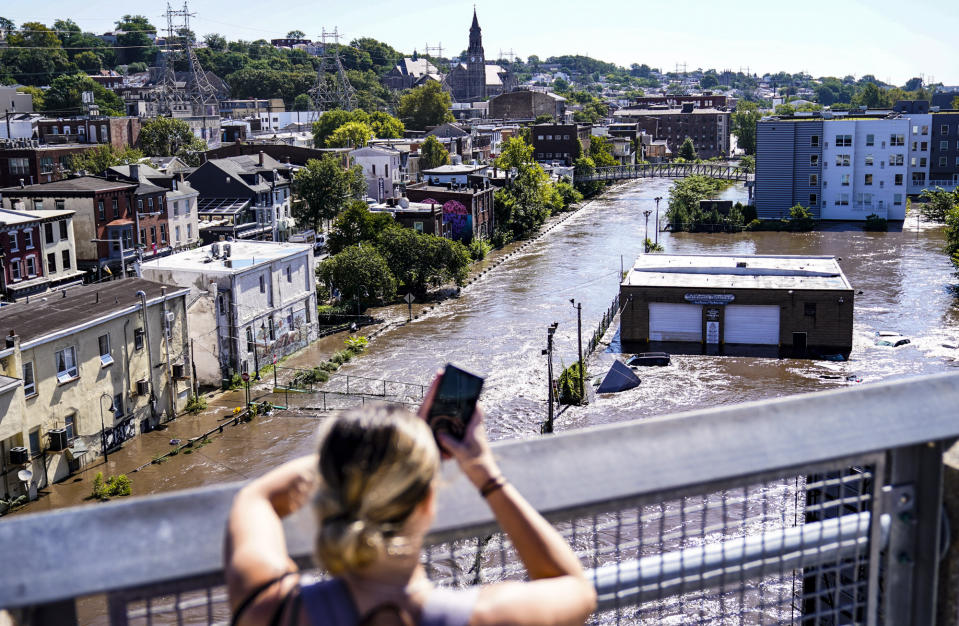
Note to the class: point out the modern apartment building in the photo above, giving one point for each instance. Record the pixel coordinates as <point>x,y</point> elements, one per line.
<point>841,168</point>
<point>944,152</point>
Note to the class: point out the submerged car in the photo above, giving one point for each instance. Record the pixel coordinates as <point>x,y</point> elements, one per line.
<point>891,338</point>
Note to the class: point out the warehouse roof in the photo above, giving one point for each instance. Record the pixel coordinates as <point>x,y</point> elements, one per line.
<point>696,271</point>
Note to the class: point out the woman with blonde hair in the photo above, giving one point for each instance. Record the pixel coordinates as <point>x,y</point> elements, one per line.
<point>374,489</point>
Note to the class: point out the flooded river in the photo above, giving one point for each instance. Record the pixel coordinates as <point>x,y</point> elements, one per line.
<point>498,327</point>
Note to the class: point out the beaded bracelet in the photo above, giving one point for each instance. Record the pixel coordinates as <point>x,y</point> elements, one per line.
<point>493,484</point>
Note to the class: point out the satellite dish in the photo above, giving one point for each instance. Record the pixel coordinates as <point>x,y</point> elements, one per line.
<point>24,475</point>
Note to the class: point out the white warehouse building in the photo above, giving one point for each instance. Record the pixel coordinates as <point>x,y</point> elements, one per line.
<point>250,301</point>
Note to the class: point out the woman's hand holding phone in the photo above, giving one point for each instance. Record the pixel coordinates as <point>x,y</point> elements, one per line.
<point>473,454</point>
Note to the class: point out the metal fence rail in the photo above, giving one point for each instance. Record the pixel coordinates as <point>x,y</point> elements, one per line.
<point>668,170</point>
<point>814,509</point>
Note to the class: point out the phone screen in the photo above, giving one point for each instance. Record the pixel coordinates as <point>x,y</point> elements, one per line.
<point>455,402</point>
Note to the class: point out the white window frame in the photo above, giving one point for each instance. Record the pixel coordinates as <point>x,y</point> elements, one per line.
<point>105,357</point>
<point>30,265</point>
<point>14,242</point>
<point>15,272</point>
<point>71,371</point>
<point>29,388</point>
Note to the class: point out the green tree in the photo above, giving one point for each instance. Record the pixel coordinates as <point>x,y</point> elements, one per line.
<point>323,188</point>
<point>419,261</point>
<point>938,203</point>
<point>356,225</point>
<point>65,94</point>
<point>166,136</point>
<point>88,62</point>
<point>744,121</point>
<point>328,123</point>
<point>955,102</point>
<point>302,102</point>
<point>524,205</point>
<point>687,150</point>
<point>98,159</point>
<point>215,42</point>
<point>425,106</point>
<point>514,153</point>
<point>601,151</point>
<point>543,118</point>
<point>135,38</point>
<point>433,154</point>
<point>952,235</point>
<point>583,167</point>
<point>708,81</point>
<point>295,34</point>
<point>359,270</point>
<point>568,194</point>
<point>870,96</point>
<point>350,135</point>
<point>385,126</point>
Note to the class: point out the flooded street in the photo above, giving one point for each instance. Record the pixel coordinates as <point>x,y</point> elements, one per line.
<point>498,327</point>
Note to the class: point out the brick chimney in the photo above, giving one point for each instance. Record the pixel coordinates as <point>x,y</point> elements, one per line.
<point>261,158</point>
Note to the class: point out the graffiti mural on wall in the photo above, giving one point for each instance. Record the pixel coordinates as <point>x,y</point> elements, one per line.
<point>113,437</point>
<point>459,220</point>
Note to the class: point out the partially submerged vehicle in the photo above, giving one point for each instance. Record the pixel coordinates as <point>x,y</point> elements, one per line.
<point>891,338</point>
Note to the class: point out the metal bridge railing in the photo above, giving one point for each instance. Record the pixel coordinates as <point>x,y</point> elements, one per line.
<point>668,170</point>
<point>813,509</point>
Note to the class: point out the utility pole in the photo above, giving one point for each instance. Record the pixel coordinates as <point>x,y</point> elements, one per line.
<point>647,213</point>
<point>548,426</point>
<point>579,343</point>
<point>657,199</point>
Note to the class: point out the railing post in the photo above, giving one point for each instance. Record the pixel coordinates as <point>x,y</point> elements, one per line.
<point>912,561</point>
<point>948,601</point>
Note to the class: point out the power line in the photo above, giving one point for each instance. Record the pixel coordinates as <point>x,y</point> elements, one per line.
<point>79,47</point>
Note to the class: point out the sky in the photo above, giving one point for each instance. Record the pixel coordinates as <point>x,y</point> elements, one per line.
<point>892,40</point>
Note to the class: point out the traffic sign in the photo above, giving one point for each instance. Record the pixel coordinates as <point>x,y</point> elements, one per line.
<point>245,377</point>
<point>274,359</point>
<point>408,298</point>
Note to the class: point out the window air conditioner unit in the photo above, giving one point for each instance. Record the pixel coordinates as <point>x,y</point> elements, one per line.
<point>19,455</point>
<point>143,387</point>
<point>58,439</point>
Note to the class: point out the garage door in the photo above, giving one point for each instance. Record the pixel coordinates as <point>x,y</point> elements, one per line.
<point>751,324</point>
<point>675,322</point>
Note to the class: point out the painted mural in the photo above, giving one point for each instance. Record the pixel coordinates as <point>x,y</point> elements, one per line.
<point>459,219</point>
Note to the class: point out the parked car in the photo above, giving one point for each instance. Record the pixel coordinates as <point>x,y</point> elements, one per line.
<point>891,338</point>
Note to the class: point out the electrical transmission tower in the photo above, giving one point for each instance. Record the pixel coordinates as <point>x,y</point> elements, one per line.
<point>340,94</point>
<point>196,96</point>
<point>437,49</point>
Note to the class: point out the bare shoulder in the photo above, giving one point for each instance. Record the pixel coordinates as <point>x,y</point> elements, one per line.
<point>559,600</point>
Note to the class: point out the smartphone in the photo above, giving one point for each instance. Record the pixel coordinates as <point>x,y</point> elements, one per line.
<point>455,402</point>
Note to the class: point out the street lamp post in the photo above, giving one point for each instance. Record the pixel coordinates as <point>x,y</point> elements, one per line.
<point>103,435</point>
<point>579,343</point>
<point>647,213</point>
<point>657,199</point>
<point>548,426</point>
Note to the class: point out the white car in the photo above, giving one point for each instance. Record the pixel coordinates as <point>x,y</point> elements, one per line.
<point>891,338</point>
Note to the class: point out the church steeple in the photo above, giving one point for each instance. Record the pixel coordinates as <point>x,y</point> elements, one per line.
<point>476,38</point>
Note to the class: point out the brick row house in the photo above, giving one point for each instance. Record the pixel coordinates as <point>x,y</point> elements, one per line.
<point>467,209</point>
<point>38,252</point>
<point>110,217</point>
<point>26,161</point>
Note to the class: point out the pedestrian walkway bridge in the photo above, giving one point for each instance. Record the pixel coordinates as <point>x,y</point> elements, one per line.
<point>668,170</point>
<point>820,508</point>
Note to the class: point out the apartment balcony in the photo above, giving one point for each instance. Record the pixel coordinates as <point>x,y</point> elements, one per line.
<point>818,508</point>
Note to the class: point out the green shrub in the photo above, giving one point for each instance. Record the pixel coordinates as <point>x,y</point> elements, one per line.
<point>801,219</point>
<point>569,385</point>
<point>875,223</point>
<point>234,383</point>
<point>341,357</point>
<point>501,238</point>
<point>320,375</point>
<point>652,246</point>
<point>329,366</point>
<point>356,344</point>
<point>748,211</point>
<point>195,404</point>
<point>478,249</point>
<point>112,487</point>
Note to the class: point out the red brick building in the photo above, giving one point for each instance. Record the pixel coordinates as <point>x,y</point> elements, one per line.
<point>467,209</point>
<point>28,161</point>
<point>20,246</point>
<point>104,209</point>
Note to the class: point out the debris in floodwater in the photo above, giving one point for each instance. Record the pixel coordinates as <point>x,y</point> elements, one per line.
<point>619,378</point>
<point>174,442</point>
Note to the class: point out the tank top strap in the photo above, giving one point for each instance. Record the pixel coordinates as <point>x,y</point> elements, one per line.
<point>329,602</point>
<point>449,607</point>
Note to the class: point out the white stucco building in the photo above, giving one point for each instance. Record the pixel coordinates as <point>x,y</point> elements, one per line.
<point>381,167</point>
<point>181,204</point>
<point>249,301</point>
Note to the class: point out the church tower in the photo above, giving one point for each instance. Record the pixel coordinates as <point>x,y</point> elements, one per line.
<point>475,63</point>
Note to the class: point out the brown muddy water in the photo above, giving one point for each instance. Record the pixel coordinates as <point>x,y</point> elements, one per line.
<point>498,327</point>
